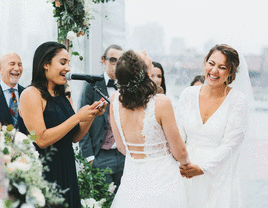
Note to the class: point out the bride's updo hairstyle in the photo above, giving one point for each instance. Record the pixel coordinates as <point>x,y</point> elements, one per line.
<point>232,59</point>
<point>135,86</point>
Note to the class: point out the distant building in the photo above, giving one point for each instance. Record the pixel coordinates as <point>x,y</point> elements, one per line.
<point>264,60</point>
<point>254,63</point>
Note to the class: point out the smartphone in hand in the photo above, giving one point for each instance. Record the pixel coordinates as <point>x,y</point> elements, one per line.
<point>103,101</point>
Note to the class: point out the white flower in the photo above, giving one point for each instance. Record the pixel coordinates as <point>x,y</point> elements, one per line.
<point>102,201</point>
<point>2,136</point>
<point>16,165</point>
<point>19,137</point>
<point>89,202</point>
<point>83,202</point>
<point>88,7</point>
<point>36,155</point>
<point>2,203</point>
<point>92,203</point>
<point>13,131</point>
<point>112,187</point>
<point>27,205</point>
<point>21,187</point>
<point>4,129</point>
<point>21,163</point>
<point>35,196</point>
<point>97,205</point>
<point>71,35</point>
<point>50,1</point>
<point>16,204</point>
<point>6,158</point>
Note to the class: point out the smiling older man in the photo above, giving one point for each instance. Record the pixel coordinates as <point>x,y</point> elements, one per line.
<point>11,70</point>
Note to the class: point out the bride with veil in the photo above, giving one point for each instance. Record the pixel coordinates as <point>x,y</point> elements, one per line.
<point>214,122</point>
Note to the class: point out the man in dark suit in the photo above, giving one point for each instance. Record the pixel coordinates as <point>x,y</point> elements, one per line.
<point>98,146</point>
<point>11,70</point>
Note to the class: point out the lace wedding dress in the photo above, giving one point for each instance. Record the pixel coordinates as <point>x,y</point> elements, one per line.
<point>214,146</point>
<point>152,182</point>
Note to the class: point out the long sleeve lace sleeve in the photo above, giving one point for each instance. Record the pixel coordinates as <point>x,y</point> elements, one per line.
<point>233,137</point>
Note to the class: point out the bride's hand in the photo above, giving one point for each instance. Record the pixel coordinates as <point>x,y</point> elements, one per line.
<point>190,170</point>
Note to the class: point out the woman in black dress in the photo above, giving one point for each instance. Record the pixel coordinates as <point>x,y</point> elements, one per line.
<point>46,110</point>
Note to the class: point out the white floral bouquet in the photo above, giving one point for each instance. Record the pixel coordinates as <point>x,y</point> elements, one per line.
<point>26,185</point>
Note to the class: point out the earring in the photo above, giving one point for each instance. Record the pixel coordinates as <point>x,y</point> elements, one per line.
<point>229,79</point>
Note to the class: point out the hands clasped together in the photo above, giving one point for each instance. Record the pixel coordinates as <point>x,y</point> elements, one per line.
<point>190,170</point>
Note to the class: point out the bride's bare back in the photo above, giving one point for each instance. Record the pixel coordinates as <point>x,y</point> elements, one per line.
<point>132,126</point>
<point>149,132</point>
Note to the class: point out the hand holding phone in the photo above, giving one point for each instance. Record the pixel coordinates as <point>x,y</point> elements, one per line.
<point>103,101</point>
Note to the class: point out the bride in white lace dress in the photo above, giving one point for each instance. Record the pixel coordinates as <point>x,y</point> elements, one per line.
<point>212,120</point>
<point>146,132</point>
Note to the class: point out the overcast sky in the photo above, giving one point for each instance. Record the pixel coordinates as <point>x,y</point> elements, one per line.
<point>242,24</point>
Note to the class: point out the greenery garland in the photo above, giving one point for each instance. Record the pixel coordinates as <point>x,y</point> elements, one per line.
<point>73,18</point>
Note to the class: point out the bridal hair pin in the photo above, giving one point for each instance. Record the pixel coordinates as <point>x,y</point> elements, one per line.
<point>133,84</point>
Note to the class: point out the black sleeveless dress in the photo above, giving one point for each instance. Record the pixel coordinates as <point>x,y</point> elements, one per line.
<point>62,168</point>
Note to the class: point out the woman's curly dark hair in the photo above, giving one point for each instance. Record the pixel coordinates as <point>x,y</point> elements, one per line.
<point>135,86</point>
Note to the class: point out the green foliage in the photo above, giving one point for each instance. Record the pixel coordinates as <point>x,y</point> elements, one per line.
<point>75,16</point>
<point>32,136</point>
<point>71,16</point>
<point>91,182</point>
<point>75,53</point>
<point>5,151</point>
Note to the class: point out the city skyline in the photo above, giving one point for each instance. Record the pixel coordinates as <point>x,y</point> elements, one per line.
<point>234,22</point>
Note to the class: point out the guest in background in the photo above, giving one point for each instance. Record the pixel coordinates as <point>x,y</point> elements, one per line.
<point>11,70</point>
<point>157,75</point>
<point>46,110</point>
<point>98,145</point>
<point>198,80</point>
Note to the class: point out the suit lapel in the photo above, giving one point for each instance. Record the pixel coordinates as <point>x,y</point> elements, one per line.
<point>5,117</point>
<point>20,89</point>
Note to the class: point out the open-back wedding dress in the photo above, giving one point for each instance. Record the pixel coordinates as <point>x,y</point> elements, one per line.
<point>154,181</point>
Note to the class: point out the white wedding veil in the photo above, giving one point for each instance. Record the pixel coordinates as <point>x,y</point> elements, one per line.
<point>247,163</point>
<point>243,84</point>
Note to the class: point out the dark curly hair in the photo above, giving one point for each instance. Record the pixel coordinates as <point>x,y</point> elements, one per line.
<point>232,59</point>
<point>44,55</point>
<point>129,69</point>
